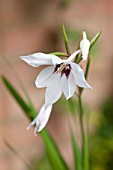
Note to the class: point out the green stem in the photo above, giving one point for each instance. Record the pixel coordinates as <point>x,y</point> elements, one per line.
<point>85,150</point>
<point>86,147</point>
<point>87,68</point>
<point>81,120</point>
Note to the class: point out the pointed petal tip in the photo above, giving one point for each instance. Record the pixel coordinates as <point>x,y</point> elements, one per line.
<point>39,130</point>
<point>83,32</point>
<point>28,127</point>
<point>90,87</point>
<point>35,134</point>
<point>84,35</point>
<point>36,84</point>
<point>35,131</point>
<point>22,57</point>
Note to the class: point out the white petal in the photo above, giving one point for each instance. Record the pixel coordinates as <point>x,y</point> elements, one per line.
<point>38,59</point>
<point>41,119</point>
<point>84,35</point>
<point>68,85</point>
<point>79,76</point>
<point>53,92</point>
<point>45,77</point>
<point>33,123</point>
<point>56,60</point>
<point>84,46</point>
<point>73,55</point>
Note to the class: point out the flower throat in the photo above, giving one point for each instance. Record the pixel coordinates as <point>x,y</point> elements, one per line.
<point>63,68</point>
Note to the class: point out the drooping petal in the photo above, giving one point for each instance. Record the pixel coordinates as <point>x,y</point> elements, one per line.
<point>53,92</point>
<point>45,77</point>
<point>84,46</point>
<point>79,76</point>
<point>68,85</point>
<point>42,118</point>
<point>38,59</point>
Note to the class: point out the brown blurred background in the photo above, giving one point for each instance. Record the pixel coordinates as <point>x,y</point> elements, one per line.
<point>28,26</point>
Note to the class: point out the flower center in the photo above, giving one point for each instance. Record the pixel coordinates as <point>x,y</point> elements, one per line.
<point>63,68</point>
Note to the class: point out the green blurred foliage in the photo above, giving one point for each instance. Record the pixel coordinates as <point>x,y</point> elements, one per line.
<point>68,107</point>
<point>65,3</point>
<point>101,143</point>
<point>41,164</point>
<point>53,154</point>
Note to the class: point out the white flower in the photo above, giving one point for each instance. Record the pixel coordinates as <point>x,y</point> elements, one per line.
<point>61,76</point>
<point>84,46</point>
<point>41,119</point>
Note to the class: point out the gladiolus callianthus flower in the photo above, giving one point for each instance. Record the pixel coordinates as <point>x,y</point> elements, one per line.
<point>60,76</point>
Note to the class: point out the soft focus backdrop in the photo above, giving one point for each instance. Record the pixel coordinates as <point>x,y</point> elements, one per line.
<point>28,26</point>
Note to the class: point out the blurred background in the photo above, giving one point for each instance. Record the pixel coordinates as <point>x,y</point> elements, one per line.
<point>28,26</point>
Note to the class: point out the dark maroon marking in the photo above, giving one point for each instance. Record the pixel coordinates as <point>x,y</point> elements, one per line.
<point>57,66</point>
<point>65,71</point>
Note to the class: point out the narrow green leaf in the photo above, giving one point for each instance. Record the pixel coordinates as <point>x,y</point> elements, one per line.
<point>54,156</point>
<point>72,106</point>
<point>12,70</point>
<point>76,150</point>
<point>17,97</point>
<point>86,153</point>
<point>79,60</point>
<point>16,153</point>
<point>87,68</point>
<point>94,39</point>
<point>76,58</point>
<point>86,145</point>
<point>76,153</point>
<point>66,40</point>
<point>59,54</point>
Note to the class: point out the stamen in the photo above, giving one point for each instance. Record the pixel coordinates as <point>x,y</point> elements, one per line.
<point>63,68</point>
<point>60,69</point>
